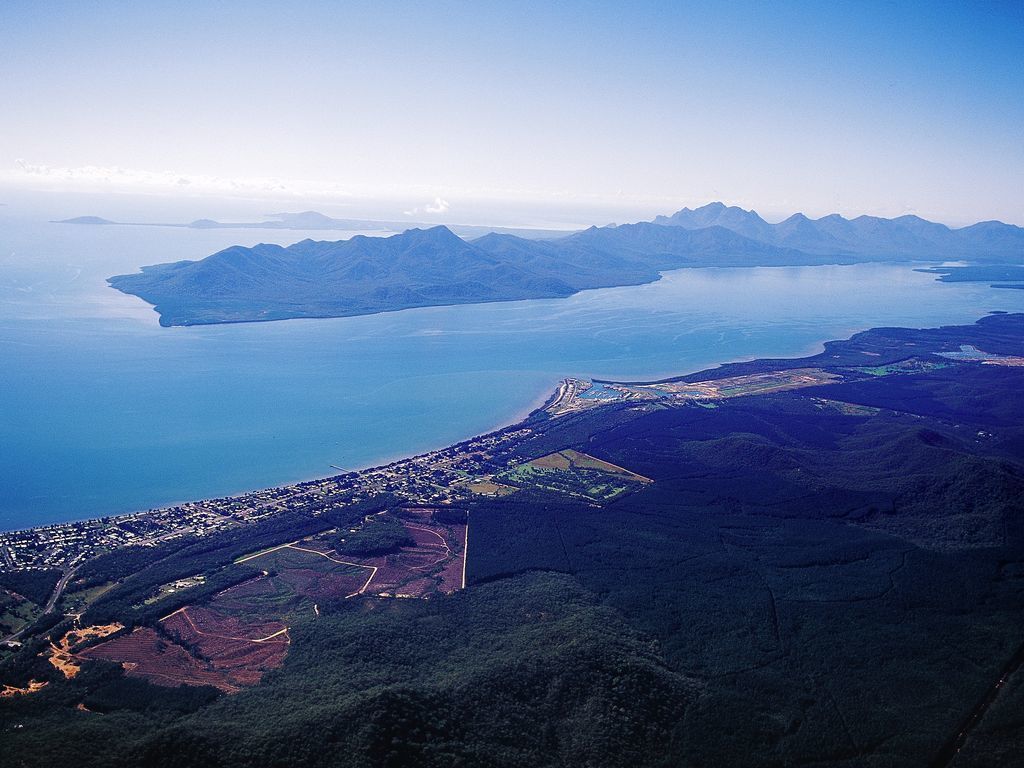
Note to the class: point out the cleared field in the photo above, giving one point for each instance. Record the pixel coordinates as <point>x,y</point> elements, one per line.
<point>146,654</point>
<point>433,565</point>
<point>490,488</point>
<point>232,639</point>
<point>259,599</point>
<point>241,651</point>
<point>553,461</point>
<point>66,654</point>
<point>311,571</point>
<point>586,461</point>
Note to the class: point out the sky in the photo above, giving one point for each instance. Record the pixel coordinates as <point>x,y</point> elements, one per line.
<point>456,111</point>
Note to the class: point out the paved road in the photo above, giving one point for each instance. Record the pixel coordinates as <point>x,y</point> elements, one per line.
<point>59,589</point>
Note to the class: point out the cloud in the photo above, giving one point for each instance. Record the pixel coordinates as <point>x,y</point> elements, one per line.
<point>118,179</point>
<point>438,206</point>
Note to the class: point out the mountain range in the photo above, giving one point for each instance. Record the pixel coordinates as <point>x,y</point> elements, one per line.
<point>905,237</point>
<point>434,266</point>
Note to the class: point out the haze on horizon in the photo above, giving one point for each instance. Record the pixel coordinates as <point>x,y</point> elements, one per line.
<point>450,109</point>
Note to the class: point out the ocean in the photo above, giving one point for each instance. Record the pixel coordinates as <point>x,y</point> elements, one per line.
<point>102,411</point>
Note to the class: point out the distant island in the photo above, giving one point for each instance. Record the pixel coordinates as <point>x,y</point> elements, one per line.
<point>313,220</point>
<point>87,220</point>
<point>435,267</point>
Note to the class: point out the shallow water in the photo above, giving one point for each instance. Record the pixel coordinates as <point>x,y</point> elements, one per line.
<point>104,411</point>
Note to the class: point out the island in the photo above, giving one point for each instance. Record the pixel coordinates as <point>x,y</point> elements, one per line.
<point>435,267</point>
<point>728,567</point>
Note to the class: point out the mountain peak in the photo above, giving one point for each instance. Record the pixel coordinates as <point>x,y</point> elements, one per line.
<point>718,214</point>
<point>439,232</point>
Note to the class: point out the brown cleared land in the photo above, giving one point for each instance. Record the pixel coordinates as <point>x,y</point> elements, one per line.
<point>553,461</point>
<point>231,641</point>
<point>64,654</point>
<point>146,654</point>
<point>432,564</point>
<point>242,652</point>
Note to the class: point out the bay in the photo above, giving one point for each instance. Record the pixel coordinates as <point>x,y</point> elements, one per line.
<point>102,411</point>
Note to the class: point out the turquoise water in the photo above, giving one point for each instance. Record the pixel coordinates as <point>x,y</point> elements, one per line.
<point>102,411</point>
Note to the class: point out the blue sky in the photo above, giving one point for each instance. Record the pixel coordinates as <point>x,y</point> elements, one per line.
<point>862,107</point>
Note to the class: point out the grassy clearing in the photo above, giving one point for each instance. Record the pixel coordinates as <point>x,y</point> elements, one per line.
<point>575,474</point>
<point>489,488</point>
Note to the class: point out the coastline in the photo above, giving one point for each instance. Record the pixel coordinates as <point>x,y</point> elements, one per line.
<point>520,417</point>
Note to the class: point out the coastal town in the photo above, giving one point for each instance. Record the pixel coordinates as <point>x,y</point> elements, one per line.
<point>439,477</point>
<point>477,466</point>
<point>435,478</point>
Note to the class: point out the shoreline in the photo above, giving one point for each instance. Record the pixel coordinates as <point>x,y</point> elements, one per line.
<point>913,264</point>
<point>520,418</point>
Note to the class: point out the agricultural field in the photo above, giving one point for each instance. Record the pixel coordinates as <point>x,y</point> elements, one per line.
<point>910,365</point>
<point>575,474</point>
<point>241,651</point>
<point>232,638</point>
<point>145,653</point>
